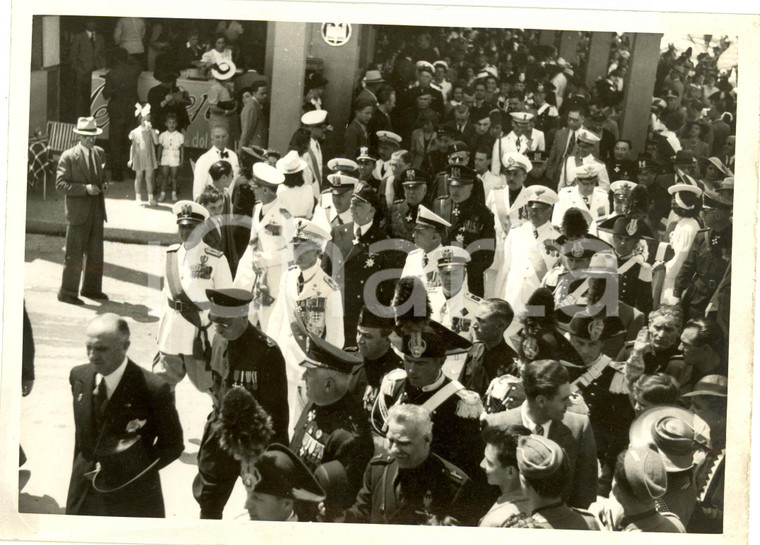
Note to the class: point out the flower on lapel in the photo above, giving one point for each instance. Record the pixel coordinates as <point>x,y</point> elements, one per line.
<point>134,425</point>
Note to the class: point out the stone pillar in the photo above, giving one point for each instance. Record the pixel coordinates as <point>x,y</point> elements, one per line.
<point>639,89</point>
<point>341,67</point>
<point>568,47</point>
<point>286,71</point>
<point>598,56</point>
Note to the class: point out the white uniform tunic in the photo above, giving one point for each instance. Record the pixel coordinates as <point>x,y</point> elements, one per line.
<point>426,270</point>
<point>200,268</point>
<point>598,205</point>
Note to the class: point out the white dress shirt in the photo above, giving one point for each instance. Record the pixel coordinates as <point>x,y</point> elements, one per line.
<point>112,380</point>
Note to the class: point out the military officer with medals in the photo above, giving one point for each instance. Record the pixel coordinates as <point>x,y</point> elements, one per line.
<point>586,143</point>
<point>341,229</point>
<point>363,274</point>
<point>332,436</point>
<point>413,485</point>
<point>191,267</point>
<point>267,255</point>
<point>528,250</point>
<point>584,194</point>
<point>333,208</point>
<point>453,306</point>
<point>547,115</point>
<point>602,383</point>
<point>404,211</point>
<point>455,410</point>
<point>621,191</point>
<point>507,208</point>
<point>388,143</point>
<point>429,232</point>
<point>242,357</point>
<point>472,224</point>
<point>458,154</point>
<point>619,166</point>
<point>709,258</point>
<point>634,273</point>
<point>522,139</point>
<point>373,341</point>
<point>311,293</point>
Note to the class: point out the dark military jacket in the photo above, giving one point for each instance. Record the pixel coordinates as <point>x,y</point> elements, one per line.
<point>253,361</point>
<point>336,438</point>
<point>483,365</point>
<point>365,381</point>
<point>562,517</point>
<point>470,221</point>
<point>622,170</point>
<point>424,495</point>
<point>703,270</point>
<point>403,219</point>
<point>635,285</point>
<point>455,420</point>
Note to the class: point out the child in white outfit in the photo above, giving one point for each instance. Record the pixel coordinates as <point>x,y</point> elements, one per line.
<point>142,155</point>
<point>172,155</point>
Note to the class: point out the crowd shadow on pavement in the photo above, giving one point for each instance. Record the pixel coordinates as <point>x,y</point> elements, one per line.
<point>41,505</point>
<point>139,313</point>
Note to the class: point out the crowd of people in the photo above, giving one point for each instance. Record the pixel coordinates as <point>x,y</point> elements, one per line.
<point>485,311</point>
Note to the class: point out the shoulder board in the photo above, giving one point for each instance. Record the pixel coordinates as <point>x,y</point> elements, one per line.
<point>398,201</point>
<point>388,385</point>
<point>600,190</point>
<point>213,252</point>
<point>415,251</point>
<point>381,459</point>
<point>473,298</point>
<point>435,86</point>
<point>330,282</point>
<point>703,230</point>
<point>292,267</point>
<point>442,198</point>
<point>567,189</point>
<point>285,213</point>
<point>469,405</point>
<point>266,338</point>
<point>173,248</point>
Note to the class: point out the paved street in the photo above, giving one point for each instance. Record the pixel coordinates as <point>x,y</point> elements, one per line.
<point>132,281</point>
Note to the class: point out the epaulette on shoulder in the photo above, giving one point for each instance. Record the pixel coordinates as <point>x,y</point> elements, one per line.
<point>469,405</point>
<point>213,252</point>
<point>285,213</point>
<point>381,459</point>
<point>292,267</point>
<point>442,198</point>
<point>398,201</point>
<point>472,297</point>
<point>703,230</point>
<point>173,248</point>
<point>330,282</point>
<point>567,189</point>
<point>266,338</point>
<point>388,386</point>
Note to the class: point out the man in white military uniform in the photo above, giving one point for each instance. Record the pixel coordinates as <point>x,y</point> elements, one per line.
<point>218,152</point>
<point>334,206</point>
<point>501,202</point>
<point>452,304</point>
<point>192,267</point>
<point>267,255</point>
<point>585,195</point>
<point>315,122</point>
<point>429,231</point>
<point>523,138</point>
<point>585,143</point>
<point>528,251</point>
<point>308,290</point>
<point>388,143</point>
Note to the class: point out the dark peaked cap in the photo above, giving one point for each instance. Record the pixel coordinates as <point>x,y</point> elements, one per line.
<point>320,353</point>
<point>284,475</point>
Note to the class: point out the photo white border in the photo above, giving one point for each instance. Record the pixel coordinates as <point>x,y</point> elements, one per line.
<point>120,530</point>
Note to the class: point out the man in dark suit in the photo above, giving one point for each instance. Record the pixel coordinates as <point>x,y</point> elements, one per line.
<point>81,177</point>
<point>118,403</point>
<point>86,55</point>
<point>563,145</point>
<point>544,412</point>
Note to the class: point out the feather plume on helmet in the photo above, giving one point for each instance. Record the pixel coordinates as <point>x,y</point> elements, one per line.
<point>246,429</point>
<point>411,304</point>
<point>637,202</point>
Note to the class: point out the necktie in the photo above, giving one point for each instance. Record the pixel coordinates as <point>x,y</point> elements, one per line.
<point>588,204</point>
<point>299,286</point>
<point>93,169</point>
<point>224,154</point>
<point>538,430</point>
<point>535,233</point>
<point>425,261</point>
<point>100,402</point>
<point>92,40</point>
<point>357,234</point>
<point>570,144</point>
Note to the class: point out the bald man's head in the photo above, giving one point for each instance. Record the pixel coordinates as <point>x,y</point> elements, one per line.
<point>107,342</point>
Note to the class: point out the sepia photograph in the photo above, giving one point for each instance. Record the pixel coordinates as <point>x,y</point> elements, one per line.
<point>467,267</point>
